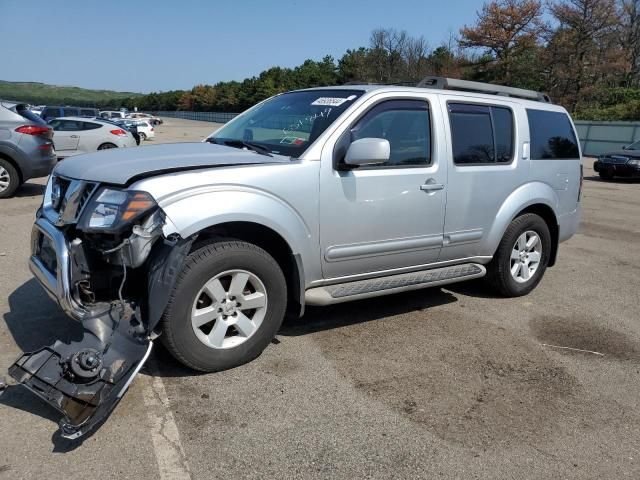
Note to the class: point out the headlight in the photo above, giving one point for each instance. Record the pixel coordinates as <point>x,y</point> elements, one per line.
<point>110,210</point>
<point>634,162</point>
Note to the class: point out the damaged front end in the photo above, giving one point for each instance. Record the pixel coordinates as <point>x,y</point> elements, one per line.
<point>102,255</point>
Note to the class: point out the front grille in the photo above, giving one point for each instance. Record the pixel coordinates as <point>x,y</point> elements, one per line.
<point>615,160</point>
<point>73,198</point>
<point>89,188</point>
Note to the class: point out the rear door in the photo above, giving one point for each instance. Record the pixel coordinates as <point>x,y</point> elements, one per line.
<point>484,169</point>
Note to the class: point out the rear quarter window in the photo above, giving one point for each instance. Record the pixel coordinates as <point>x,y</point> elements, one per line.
<point>552,136</point>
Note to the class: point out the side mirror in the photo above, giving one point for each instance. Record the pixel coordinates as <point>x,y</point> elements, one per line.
<point>366,151</point>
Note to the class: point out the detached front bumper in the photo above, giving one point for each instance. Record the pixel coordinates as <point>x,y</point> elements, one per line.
<point>86,378</point>
<point>50,264</point>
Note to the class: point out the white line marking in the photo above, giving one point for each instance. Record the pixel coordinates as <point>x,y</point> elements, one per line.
<point>573,349</point>
<point>172,462</point>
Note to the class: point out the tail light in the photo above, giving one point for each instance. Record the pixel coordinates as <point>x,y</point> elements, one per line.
<point>581,182</point>
<point>119,132</point>
<point>152,129</point>
<point>36,130</point>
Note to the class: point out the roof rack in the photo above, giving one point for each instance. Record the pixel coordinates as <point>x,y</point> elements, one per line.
<point>444,83</point>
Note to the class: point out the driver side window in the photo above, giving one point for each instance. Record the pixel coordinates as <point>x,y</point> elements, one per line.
<point>406,124</point>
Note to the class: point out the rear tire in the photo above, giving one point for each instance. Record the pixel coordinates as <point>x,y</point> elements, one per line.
<point>9,179</point>
<point>521,258</point>
<point>143,137</point>
<point>204,302</point>
<point>107,146</point>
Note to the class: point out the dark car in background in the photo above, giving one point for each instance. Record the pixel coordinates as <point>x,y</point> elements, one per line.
<point>619,163</point>
<point>50,112</point>
<point>26,147</point>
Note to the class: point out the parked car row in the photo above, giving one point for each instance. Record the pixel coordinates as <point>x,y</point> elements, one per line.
<point>31,144</point>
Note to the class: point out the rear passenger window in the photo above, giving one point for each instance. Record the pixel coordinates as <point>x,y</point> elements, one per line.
<point>481,134</point>
<point>90,125</point>
<point>406,124</point>
<point>552,136</point>
<point>70,112</point>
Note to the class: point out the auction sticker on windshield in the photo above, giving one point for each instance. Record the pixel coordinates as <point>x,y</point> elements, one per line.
<point>332,101</point>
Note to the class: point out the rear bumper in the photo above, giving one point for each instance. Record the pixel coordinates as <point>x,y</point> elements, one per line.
<point>568,224</point>
<point>57,284</point>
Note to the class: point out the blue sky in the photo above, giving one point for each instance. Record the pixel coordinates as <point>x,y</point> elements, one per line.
<point>155,45</point>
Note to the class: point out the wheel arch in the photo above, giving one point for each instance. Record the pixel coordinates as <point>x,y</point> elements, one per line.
<point>273,243</point>
<point>13,162</point>
<point>536,197</point>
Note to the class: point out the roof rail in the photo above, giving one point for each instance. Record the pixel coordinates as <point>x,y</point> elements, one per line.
<point>444,83</point>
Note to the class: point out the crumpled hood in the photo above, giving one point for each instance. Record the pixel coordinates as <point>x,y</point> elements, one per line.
<point>120,165</point>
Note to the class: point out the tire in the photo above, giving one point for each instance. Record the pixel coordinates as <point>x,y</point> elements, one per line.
<point>186,341</point>
<point>143,137</point>
<point>606,174</point>
<point>9,179</point>
<point>528,275</point>
<point>107,146</point>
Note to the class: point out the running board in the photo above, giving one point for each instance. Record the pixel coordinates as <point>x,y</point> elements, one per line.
<point>374,287</point>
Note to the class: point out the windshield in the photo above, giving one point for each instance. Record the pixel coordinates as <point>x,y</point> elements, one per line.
<point>634,146</point>
<point>287,124</point>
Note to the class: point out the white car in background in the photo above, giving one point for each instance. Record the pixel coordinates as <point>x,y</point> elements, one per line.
<point>76,135</point>
<point>113,114</point>
<point>153,120</point>
<point>145,130</point>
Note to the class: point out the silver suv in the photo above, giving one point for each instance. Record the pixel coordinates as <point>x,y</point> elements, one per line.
<point>312,197</point>
<point>26,147</point>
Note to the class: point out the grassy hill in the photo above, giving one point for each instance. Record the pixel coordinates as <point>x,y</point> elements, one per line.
<point>42,93</point>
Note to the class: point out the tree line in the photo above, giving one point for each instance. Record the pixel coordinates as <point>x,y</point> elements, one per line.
<point>584,53</point>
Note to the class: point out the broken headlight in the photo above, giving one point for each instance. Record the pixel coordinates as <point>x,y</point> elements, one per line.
<point>111,210</point>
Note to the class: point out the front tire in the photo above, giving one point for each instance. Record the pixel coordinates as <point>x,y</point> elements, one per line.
<point>9,179</point>
<point>227,305</point>
<point>522,256</point>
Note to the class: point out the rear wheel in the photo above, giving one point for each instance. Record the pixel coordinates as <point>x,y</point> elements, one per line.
<point>9,179</point>
<point>228,304</point>
<point>143,136</point>
<point>106,146</point>
<point>522,256</point>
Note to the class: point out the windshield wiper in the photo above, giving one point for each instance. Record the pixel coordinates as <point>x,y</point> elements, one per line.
<point>243,143</point>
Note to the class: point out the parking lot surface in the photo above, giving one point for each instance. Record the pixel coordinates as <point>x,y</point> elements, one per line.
<point>445,382</point>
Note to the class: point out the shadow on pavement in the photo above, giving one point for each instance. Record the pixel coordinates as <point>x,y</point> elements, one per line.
<point>317,319</point>
<point>30,190</point>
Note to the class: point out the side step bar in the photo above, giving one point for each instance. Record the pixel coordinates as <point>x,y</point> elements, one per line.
<point>374,287</point>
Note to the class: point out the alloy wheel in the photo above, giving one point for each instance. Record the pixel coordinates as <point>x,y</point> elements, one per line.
<point>229,309</point>
<point>526,255</point>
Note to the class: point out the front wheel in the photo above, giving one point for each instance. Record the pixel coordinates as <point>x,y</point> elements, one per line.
<point>227,305</point>
<point>522,256</point>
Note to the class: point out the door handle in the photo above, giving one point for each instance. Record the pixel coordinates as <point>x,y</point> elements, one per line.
<point>73,136</point>
<point>431,187</point>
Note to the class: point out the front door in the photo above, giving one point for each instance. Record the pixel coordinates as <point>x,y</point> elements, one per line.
<point>66,135</point>
<point>387,216</point>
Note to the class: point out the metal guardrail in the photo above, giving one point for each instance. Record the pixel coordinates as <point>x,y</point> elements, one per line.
<point>600,137</point>
<point>217,117</point>
<point>595,137</point>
